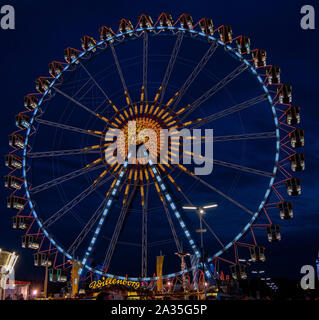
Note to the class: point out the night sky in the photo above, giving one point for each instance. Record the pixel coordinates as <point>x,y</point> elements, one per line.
<point>44,30</point>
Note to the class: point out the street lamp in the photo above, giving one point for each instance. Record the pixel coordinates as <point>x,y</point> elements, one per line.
<point>201,211</point>
<point>259,273</point>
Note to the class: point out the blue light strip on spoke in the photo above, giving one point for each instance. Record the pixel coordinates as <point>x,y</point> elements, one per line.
<point>104,214</point>
<point>176,212</point>
<point>173,207</point>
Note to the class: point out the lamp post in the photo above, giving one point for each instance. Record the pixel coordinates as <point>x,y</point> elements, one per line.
<point>258,273</point>
<point>201,210</point>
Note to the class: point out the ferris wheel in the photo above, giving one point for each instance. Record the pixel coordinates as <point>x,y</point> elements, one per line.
<point>75,204</point>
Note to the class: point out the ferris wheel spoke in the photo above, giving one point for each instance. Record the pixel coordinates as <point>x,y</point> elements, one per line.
<point>171,64</point>
<point>95,82</point>
<point>81,88</point>
<point>248,136</point>
<point>160,243</point>
<point>235,137</point>
<point>212,91</point>
<point>74,202</point>
<point>243,168</point>
<point>144,232</point>
<point>66,177</point>
<point>168,215</point>
<point>119,227</point>
<point>59,153</point>
<point>212,232</point>
<point>79,104</point>
<point>231,110</point>
<point>119,69</point>
<point>172,205</point>
<point>191,174</point>
<point>200,66</point>
<point>171,224</point>
<point>88,227</point>
<point>232,165</point>
<point>145,64</point>
<point>115,187</point>
<point>185,197</point>
<point>67,127</point>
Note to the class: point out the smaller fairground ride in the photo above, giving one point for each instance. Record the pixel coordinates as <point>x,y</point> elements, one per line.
<point>8,261</point>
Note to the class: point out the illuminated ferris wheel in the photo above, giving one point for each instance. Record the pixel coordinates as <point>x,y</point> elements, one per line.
<point>75,204</point>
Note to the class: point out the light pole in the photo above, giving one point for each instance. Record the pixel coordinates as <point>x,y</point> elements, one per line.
<point>201,210</point>
<point>258,273</point>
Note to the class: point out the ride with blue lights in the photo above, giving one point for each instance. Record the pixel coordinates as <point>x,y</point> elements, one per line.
<point>77,214</point>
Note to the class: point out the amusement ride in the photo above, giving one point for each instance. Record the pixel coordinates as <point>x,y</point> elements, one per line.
<point>82,210</point>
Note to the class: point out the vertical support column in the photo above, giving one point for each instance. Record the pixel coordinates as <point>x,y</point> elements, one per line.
<point>145,62</point>
<point>159,272</point>
<point>46,281</point>
<point>144,236</point>
<point>76,266</point>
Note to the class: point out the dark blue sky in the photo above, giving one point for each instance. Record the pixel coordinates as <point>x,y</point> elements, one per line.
<point>43,30</point>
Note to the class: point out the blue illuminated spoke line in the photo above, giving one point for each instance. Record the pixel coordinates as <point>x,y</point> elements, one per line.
<point>177,214</point>
<point>104,214</point>
<point>175,210</point>
<point>200,36</point>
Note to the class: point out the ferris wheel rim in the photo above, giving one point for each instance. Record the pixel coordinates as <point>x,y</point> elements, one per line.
<point>204,36</point>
